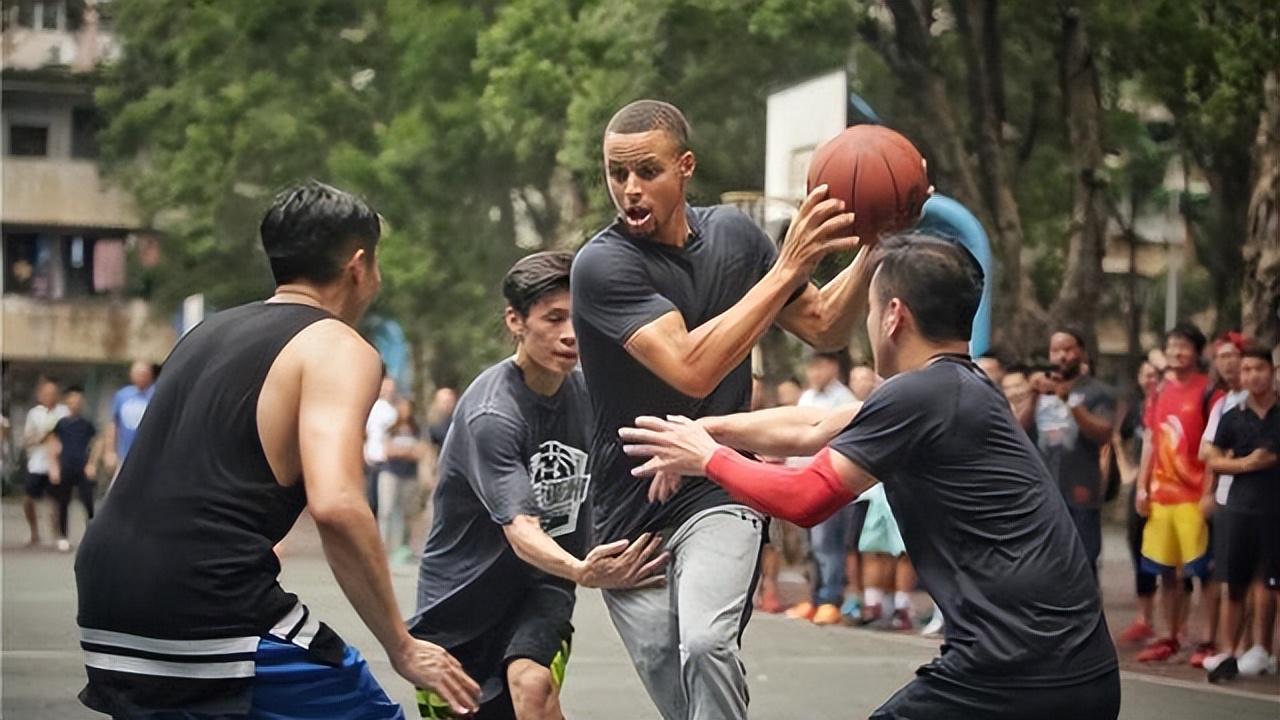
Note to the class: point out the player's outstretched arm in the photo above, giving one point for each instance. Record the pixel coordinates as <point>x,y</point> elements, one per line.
<point>338,387</point>
<point>825,318</point>
<point>696,361</point>
<point>617,565</point>
<point>782,431</point>
<point>803,495</point>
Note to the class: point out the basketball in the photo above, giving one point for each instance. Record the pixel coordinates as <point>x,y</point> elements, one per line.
<point>878,173</point>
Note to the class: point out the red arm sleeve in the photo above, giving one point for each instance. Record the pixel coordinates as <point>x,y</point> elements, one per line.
<point>803,495</point>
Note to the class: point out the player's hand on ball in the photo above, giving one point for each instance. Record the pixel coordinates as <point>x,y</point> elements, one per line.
<point>625,564</point>
<point>820,228</point>
<point>430,666</point>
<point>675,445</point>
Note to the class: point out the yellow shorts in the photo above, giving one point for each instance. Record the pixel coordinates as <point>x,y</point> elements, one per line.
<point>1176,537</point>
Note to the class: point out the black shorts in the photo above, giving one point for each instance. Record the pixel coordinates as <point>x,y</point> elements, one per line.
<point>1247,548</point>
<point>36,485</point>
<point>538,629</point>
<point>932,696</point>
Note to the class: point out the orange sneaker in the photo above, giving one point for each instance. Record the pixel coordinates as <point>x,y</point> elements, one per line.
<point>1202,651</point>
<point>827,615</point>
<point>801,611</point>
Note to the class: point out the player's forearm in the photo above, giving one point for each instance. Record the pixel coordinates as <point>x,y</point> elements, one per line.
<point>534,546</point>
<point>719,345</point>
<point>829,324</point>
<point>354,550</point>
<point>780,431</point>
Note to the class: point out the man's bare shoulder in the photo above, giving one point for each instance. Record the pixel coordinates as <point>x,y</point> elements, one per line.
<point>332,344</point>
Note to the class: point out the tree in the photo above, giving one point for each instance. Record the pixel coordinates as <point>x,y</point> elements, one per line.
<point>1261,287</point>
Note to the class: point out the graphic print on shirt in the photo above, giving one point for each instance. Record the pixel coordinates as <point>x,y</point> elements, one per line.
<point>560,481</point>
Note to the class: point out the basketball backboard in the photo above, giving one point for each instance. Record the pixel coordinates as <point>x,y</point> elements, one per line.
<point>799,118</point>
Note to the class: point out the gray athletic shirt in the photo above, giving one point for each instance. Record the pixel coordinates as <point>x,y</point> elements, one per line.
<point>986,528</point>
<point>509,452</point>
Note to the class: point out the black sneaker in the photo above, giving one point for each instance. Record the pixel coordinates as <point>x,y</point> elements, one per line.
<point>1226,670</point>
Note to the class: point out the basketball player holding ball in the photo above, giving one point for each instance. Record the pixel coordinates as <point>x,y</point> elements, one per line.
<point>983,523</point>
<point>668,301</point>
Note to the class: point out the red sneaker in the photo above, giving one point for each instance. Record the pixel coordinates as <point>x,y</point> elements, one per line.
<point>1202,651</point>
<point>901,620</point>
<point>1159,651</point>
<point>769,603</point>
<point>1138,632</point>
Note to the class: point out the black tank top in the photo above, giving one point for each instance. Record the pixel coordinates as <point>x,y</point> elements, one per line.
<point>182,548</point>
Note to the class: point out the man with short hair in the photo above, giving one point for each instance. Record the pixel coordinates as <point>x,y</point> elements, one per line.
<point>1071,426</point>
<point>73,461</point>
<point>259,415</point>
<point>982,520</point>
<point>41,419</point>
<point>1175,540</point>
<point>1246,446</point>
<point>993,366</point>
<point>127,408</point>
<point>668,301</point>
<point>829,539</point>
<point>498,574</point>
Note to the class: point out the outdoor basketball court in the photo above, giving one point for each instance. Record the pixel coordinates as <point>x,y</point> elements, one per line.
<point>796,670</point>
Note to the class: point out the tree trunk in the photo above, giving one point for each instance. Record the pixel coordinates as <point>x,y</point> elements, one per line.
<point>1018,318</point>
<point>1077,299</point>
<point>1260,294</point>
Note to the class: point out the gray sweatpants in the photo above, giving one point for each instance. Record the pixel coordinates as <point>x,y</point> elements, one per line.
<point>684,638</point>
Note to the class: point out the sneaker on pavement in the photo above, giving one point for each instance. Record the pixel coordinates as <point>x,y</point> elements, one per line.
<point>827,614</point>
<point>1202,651</point>
<point>1212,662</point>
<point>1256,662</point>
<point>64,545</point>
<point>1226,670</point>
<point>851,610</point>
<point>1137,632</point>
<point>1159,651</point>
<point>870,614</point>
<point>901,620</point>
<point>801,611</point>
<point>934,628</point>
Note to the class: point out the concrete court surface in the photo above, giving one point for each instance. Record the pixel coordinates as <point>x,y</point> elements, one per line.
<point>796,670</point>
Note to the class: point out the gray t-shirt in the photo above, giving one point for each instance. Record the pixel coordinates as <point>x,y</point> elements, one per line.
<point>1071,457</point>
<point>509,452</point>
<point>620,284</point>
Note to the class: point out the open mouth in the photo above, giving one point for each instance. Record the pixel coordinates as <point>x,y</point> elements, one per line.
<point>637,216</point>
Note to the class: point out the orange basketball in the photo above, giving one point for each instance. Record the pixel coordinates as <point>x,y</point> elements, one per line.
<point>878,173</point>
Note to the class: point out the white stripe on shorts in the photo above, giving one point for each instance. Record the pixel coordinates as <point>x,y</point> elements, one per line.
<point>214,646</point>
<point>164,668</point>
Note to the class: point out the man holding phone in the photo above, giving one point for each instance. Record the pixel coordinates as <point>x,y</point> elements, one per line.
<point>1070,426</point>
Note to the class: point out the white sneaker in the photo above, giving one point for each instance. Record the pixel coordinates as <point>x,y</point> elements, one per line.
<point>934,628</point>
<point>1212,662</point>
<point>1256,662</point>
<point>64,545</point>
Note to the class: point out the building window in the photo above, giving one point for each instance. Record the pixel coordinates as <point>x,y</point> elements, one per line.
<point>77,264</point>
<point>51,15</point>
<point>20,256</point>
<point>85,123</point>
<point>28,140</point>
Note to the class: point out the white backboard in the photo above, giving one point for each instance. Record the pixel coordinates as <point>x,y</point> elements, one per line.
<point>800,118</point>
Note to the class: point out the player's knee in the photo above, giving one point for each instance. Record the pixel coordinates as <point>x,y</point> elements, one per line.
<point>704,646</point>
<point>532,693</point>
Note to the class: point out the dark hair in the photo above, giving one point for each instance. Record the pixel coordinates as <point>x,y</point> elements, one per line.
<point>645,115</point>
<point>1189,332</point>
<point>74,389</point>
<point>937,278</point>
<point>1074,333</point>
<point>1258,352</point>
<point>1018,369</point>
<point>789,379</point>
<point>310,229</point>
<point>534,276</point>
